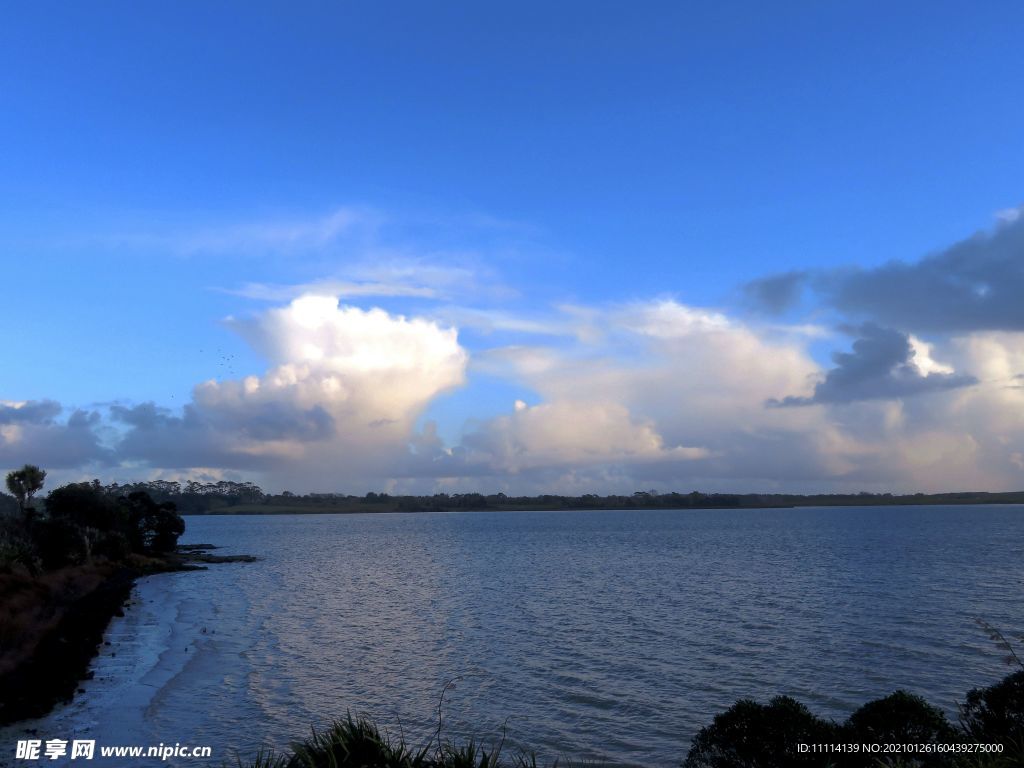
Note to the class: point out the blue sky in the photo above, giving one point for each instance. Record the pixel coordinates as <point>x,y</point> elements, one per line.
<point>534,177</point>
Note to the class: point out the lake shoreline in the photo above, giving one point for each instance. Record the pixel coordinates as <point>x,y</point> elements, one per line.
<point>72,610</point>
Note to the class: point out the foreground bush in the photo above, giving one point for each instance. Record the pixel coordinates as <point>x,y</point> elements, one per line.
<point>358,743</point>
<point>752,735</point>
<point>900,718</point>
<point>59,542</point>
<point>747,735</point>
<point>996,712</point>
<point>766,736</point>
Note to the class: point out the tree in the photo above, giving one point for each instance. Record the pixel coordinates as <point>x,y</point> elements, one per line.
<point>996,713</point>
<point>85,505</point>
<point>24,483</point>
<point>751,734</point>
<point>902,718</point>
<point>152,527</point>
<point>764,735</point>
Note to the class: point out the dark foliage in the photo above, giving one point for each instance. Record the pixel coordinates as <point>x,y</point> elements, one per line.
<point>354,742</point>
<point>24,483</point>
<point>752,735</point>
<point>900,717</point>
<point>8,505</point>
<point>113,546</point>
<point>86,505</point>
<point>59,542</point>
<point>124,523</point>
<point>192,497</point>
<point>359,743</point>
<point>996,713</point>
<point>152,527</point>
<point>17,547</point>
<point>85,520</point>
<point>56,666</point>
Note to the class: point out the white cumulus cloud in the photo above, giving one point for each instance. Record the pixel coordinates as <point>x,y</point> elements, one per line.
<point>341,395</point>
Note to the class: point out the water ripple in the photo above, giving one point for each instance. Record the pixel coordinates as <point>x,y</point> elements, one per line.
<point>608,635</point>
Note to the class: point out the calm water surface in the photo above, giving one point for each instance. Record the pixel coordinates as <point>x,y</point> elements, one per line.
<point>601,635</point>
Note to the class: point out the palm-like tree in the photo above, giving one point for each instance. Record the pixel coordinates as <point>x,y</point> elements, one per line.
<point>24,483</point>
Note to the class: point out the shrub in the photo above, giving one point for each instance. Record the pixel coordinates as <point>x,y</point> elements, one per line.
<point>996,713</point>
<point>749,735</point>
<point>85,505</point>
<point>355,743</point>
<point>358,743</point>
<point>469,755</point>
<point>113,545</point>
<point>8,505</point>
<point>152,527</point>
<point>900,718</point>
<point>59,542</point>
<point>17,551</point>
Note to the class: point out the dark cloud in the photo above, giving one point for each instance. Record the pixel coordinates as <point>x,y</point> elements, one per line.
<point>213,437</point>
<point>880,367</point>
<point>270,420</point>
<point>776,293</point>
<point>161,439</point>
<point>267,420</point>
<point>144,416</point>
<point>32,412</point>
<point>43,440</point>
<point>977,284</point>
<point>974,285</point>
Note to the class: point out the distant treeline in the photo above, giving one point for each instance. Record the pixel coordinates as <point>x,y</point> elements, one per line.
<point>227,497</point>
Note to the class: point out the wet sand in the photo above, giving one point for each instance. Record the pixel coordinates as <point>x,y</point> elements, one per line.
<point>143,651</point>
